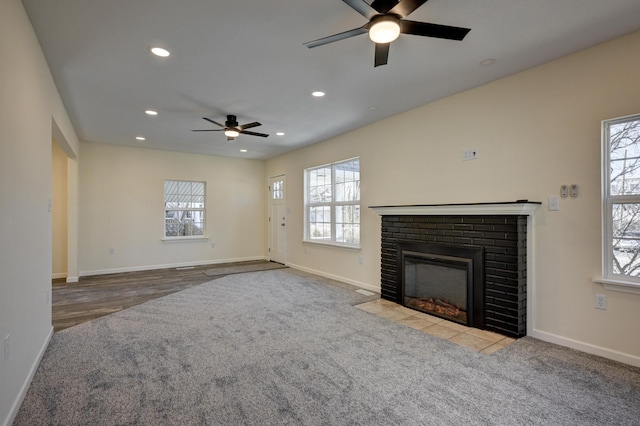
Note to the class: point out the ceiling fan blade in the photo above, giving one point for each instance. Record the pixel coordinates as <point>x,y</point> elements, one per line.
<point>363,8</point>
<point>433,30</point>
<point>249,125</point>
<point>383,6</point>
<point>208,130</point>
<point>336,37</point>
<point>382,54</point>
<point>263,135</point>
<point>405,7</point>
<point>211,121</point>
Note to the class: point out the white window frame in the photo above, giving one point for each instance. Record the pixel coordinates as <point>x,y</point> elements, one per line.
<point>610,279</point>
<point>333,205</point>
<point>190,203</point>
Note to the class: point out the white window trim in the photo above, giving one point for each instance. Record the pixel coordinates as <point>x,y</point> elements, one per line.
<point>333,204</point>
<point>611,281</point>
<point>185,238</point>
<point>618,285</point>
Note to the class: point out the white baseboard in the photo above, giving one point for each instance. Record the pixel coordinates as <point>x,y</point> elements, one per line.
<point>360,284</point>
<point>168,265</point>
<point>587,347</point>
<point>15,407</point>
<point>72,280</point>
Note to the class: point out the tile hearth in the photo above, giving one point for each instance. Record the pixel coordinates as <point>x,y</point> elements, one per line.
<point>482,341</point>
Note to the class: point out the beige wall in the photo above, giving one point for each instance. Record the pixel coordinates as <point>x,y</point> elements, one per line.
<point>534,131</point>
<point>29,105</point>
<point>121,208</point>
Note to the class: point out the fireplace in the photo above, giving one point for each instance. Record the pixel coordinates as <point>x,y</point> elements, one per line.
<point>445,281</point>
<point>498,299</point>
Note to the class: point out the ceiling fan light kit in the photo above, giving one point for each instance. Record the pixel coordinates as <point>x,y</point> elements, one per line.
<point>384,29</point>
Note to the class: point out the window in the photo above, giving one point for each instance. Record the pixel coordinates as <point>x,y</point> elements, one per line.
<point>184,209</point>
<point>332,198</point>
<point>621,199</point>
<point>277,190</point>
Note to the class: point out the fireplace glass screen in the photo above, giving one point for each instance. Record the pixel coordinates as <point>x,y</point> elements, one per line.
<point>438,285</point>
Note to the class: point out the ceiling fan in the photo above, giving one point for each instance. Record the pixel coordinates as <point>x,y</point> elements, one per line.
<point>386,22</point>
<point>232,129</point>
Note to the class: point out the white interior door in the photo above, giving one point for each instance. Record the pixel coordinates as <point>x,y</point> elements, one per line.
<point>277,219</point>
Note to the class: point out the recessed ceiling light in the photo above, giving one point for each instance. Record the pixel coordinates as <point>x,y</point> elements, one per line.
<point>151,112</point>
<point>318,94</point>
<point>159,51</point>
<point>280,134</point>
<point>243,150</point>
<point>140,138</point>
<point>489,61</point>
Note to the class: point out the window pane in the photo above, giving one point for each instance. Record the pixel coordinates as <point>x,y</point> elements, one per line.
<point>348,234</point>
<point>348,224</point>
<point>624,154</point>
<point>626,239</point>
<point>320,185</point>
<point>277,191</point>
<point>348,181</point>
<point>179,194</point>
<point>320,223</point>
<point>183,223</point>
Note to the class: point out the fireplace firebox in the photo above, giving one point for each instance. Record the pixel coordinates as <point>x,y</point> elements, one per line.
<point>445,281</point>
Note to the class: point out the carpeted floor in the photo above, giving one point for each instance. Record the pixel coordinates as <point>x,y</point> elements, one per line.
<point>285,347</point>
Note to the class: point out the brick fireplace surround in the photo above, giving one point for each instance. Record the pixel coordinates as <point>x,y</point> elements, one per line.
<point>499,228</point>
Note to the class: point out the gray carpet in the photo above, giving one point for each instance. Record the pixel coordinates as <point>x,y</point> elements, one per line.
<point>285,347</point>
<point>244,267</point>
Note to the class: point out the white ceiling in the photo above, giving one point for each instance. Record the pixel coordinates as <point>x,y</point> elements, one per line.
<point>246,57</point>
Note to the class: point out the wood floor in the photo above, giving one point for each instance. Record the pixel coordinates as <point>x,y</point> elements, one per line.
<point>96,296</point>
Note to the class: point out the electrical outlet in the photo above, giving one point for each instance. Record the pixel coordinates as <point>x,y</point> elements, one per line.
<point>574,190</point>
<point>564,191</point>
<point>213,244</point>
<point>601,301</point>
<point>360,260</point>
<point>7,340</point>
<point>112,251</point>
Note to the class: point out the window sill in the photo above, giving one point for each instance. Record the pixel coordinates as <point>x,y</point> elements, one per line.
<point>183,239</point>
<point>618,285</point>
<point>334,245</point>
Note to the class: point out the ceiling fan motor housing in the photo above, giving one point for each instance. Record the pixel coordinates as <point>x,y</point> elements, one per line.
<point>231,121</point>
